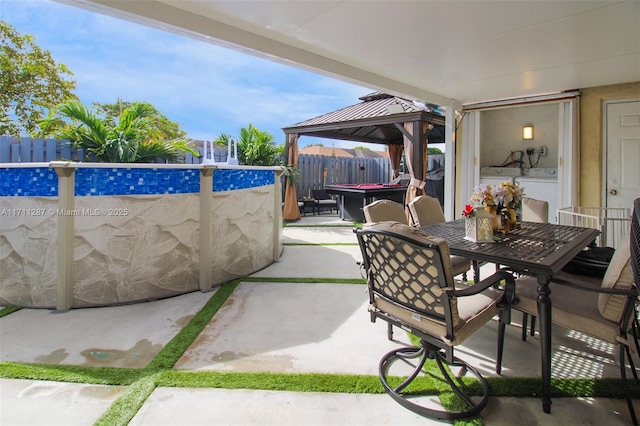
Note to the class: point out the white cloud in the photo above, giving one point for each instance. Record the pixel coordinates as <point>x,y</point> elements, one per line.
<point>207,88</point>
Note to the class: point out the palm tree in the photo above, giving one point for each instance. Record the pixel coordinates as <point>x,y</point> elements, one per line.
<point>133,138</point>
<point>256,148</point>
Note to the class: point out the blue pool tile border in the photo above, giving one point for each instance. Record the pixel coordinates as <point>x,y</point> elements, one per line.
<point>43,181</point>
<point>230,180</point>
<point>28,182</point>
<point>117,181</point>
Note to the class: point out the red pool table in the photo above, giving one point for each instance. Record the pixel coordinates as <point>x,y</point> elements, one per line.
<point>353,197</point>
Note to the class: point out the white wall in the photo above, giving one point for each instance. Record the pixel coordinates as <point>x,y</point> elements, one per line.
<point>501,133</point>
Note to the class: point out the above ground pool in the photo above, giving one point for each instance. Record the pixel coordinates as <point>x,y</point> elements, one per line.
<point>92,234</point>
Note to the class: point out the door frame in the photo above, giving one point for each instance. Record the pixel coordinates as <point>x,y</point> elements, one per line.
<point>604,178</point>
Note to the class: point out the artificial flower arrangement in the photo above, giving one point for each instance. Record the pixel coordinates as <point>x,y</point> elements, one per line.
<point>503,195</point>
<point>502,200</point>
<point>469,211</point>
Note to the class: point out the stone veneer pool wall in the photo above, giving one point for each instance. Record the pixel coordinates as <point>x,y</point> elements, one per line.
<point>79,235</point>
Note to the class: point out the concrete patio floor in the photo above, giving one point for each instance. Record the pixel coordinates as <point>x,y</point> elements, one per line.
<point>284,327</point>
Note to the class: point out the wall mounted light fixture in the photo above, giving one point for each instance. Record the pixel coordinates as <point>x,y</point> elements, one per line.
<point>527,132</point>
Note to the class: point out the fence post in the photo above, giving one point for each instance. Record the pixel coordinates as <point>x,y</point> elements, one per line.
<point>5,149</point>
<point>38,150</point>
<point>65,149</point>
<point>51,147</point>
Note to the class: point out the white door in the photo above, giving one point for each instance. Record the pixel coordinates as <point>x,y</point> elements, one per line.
<point>622,153</point>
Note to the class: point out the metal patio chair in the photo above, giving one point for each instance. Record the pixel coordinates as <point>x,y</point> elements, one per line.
<point>385,210</point>
<point>533,210</point>
<point>425,211</point>
<point>410,285</point>
<point>324,201</point>
<point>603,308</point>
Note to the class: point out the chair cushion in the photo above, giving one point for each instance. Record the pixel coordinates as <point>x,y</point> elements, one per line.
<point>473,312</point>
<point>619,275</point>
<point>426,211</point>
<point>460,265</point>
<point>385,210</point>
<point>571,308</point>
<point>535,210</point>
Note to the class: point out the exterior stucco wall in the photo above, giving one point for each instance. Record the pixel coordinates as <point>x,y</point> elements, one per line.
<point>591,137</point>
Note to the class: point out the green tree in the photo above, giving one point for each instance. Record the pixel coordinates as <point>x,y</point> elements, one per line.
<point>434,150</point>
<point>111,112</point>
<point>133,137</point>
<point>255,147</point>
<point>31,83</point>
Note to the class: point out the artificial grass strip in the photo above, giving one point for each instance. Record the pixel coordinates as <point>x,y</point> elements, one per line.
<point>294,382</point>
<point>311,382</point>
<point>172,351</point>
<point>521,387</point>
<point>129,403</point>
<point>452,402</point>
<point>320,244</point>
<point>304,280</point>
<point>9,310</point>
<point>327,225</point>
<point>430,384</point>
<point>71,373</point>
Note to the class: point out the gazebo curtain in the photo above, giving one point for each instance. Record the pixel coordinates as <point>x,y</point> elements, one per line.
<point>291,211</point>
<point>395,156</point>
<point>417,169</point>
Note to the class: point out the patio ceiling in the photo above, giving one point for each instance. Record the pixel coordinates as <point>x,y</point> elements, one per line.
<point>443,52</point>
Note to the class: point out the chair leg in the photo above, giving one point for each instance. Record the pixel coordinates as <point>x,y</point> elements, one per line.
<point>635,328</point>
<point>525,321</point>
<point>476,271</point>
<point>623,375</point>
<point>532,332</point>
<point>631,364</point>
<point>415,358</point>
<point>389,331</point>
<point>501,329</point>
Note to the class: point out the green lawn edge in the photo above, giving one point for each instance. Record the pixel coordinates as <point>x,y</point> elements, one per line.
<point>9,310</point>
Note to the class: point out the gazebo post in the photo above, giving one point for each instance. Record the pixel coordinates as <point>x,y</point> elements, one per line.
<point>291,211</point>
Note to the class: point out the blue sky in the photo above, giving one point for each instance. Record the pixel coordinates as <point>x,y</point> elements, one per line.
<point>206,88</point>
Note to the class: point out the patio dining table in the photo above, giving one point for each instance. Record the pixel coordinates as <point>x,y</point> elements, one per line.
<point>537,249</point>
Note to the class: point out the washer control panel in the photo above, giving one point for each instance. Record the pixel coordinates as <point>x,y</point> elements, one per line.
<point>500,171</point>
<point>542,173</point>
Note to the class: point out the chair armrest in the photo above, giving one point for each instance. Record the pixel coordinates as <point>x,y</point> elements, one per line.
<point>485,284</point>
<point>633,291</point>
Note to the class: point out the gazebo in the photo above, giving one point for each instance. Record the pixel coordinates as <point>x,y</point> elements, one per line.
<point>380,118</point>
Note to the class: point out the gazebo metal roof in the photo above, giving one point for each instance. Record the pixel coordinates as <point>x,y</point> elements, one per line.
<point>374,120</point>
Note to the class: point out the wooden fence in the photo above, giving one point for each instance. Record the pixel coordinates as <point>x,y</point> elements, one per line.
<point>34,150</point>
<point>316,171</point>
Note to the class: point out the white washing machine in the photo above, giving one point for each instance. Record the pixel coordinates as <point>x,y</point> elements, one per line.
<point>542,184</point>
<point>497,175</point>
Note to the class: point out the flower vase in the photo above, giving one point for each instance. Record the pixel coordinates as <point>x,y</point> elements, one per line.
<point>507,219</point>
<point>493,210</point>
<point>511,217</point>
